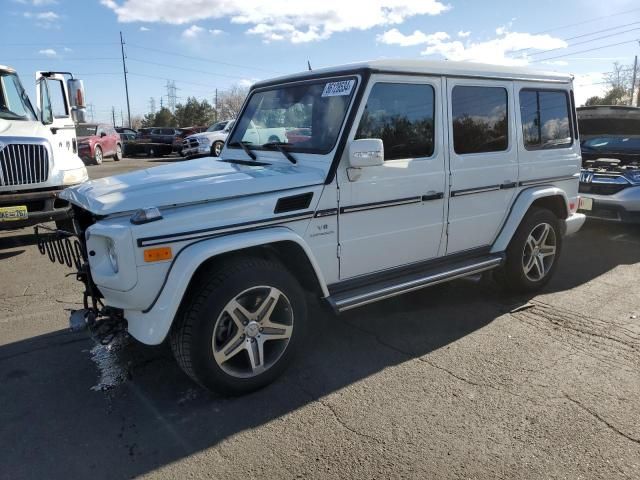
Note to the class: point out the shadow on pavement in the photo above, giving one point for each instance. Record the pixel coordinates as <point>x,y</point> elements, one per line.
<point>53,425</point>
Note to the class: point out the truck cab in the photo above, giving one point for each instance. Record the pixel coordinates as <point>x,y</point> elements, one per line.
<point>38,148</point>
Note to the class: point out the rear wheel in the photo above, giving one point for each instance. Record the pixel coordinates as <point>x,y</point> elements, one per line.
<point>97,155</point>
<point>533,252</point>
<point>241,329</point>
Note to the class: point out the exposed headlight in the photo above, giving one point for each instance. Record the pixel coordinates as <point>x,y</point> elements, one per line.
<point>71,177</point>
<point>146,215</point>
<point>111,254</point>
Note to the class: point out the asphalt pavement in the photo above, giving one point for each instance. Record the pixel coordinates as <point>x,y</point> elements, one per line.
<point>455,382</point>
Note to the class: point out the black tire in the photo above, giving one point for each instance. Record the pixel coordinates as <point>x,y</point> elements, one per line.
<point>514,274</point>
<point>274,139</point>
<point>98,155</point>
<point>192,337</point>
<point>216,148</point>
<point>118,155</point>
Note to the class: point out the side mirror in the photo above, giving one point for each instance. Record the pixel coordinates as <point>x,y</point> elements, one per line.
<point>76,93</point>
<point>103,134</point>
<point>366,152</point>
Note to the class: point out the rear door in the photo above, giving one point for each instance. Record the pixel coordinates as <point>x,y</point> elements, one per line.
<point>483,160</point>
<point>393,215</point>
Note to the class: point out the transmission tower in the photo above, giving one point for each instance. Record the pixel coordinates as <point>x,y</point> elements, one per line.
<point>90,107</point>
<point>152,105</point>
<point>171,95</point>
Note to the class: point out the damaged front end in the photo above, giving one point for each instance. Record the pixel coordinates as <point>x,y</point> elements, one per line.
<point>69,249</point>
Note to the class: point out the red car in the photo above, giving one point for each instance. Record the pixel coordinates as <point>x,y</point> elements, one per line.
<point>97,141</point>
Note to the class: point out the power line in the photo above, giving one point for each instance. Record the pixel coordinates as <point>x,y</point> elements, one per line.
<point>585,41</point>
<point>203,59</point>
<point>585,51</point>
<point>591,20</point>
<point>174,67</point>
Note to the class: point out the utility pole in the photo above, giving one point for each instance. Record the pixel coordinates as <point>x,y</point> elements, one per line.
<point>122,119</point>
<point>126,84</point>
<point>633,82</point>
<point>90,107</point>
<point>216,106</point>
<point>113,115</point>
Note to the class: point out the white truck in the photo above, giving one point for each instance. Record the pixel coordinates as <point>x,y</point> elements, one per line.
<point>407,174</point>
<point>38,148</point>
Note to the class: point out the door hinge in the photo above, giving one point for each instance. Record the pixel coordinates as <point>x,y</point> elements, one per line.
<point>338,251</point>
<point>338,194</point>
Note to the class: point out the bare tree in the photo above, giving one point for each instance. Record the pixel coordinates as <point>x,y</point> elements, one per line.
<point>230,102</point>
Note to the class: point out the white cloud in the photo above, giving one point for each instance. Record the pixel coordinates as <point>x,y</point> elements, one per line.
<point>37,3</point>
<point>247,82</point>
<point>588,85</point>
<point>555,63</point>
<point>47,19</point>
<point>395,37</point>
<point>463,34</point>
<point>279,19</point>
<point>192,32</point>
<point>67,49</point>
<point>215,32</point>
<point>48,52</point>
<point>144,29</point>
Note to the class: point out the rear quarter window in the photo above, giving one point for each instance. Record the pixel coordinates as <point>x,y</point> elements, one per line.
<point>545,117</point>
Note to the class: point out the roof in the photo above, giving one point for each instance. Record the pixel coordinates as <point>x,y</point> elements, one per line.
<point>425,67</point>
<point>6,68</point>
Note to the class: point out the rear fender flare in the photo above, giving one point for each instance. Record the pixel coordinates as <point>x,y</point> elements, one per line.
<point>519,209</point>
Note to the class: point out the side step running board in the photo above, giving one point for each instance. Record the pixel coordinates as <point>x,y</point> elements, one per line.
<point>349,299</point>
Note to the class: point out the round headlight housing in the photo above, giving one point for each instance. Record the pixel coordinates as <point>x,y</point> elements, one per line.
<point>112,255</point>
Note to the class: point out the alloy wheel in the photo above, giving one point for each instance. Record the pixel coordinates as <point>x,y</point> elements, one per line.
<point>539,252</point>
<point>252,332</point>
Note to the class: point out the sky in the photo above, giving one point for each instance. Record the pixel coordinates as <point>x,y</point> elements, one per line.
<point>204,45</point>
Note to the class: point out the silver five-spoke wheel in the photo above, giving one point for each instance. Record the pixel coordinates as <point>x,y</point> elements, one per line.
<point>539,252</point>
<point>252,331</point>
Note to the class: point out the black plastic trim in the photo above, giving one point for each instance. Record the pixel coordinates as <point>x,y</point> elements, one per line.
<point>384,204</point>
<point>474,190</point>
<point>329,212</point>
<point>433,196</point>
<point>537,181</point>
<point>293,203</point>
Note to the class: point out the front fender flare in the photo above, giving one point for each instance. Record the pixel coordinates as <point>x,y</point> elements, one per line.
<point>152,325</point>
<point>519,209</point>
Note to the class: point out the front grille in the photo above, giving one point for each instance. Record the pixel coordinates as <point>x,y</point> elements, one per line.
<point>601,188</point>
<point>23,164</point>
<point>190,143</point>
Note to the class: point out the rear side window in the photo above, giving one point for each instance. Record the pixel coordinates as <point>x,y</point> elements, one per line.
<point>401,115</point>
<point>545,119</point>
<point>480,122</point>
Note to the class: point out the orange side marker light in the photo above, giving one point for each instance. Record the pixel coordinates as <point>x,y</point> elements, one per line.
<point>158,254</point>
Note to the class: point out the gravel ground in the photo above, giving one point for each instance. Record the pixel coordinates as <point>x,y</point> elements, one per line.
<point>459,381</point>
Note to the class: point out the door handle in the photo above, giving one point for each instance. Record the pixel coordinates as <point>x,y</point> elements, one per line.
<point>506,185</point>
<point>432,196</point>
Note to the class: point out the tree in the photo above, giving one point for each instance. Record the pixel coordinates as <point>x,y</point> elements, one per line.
<point>164,118</point>
<point>620,90</point>
<point>194,113</point>
<point>136,122</point>
<point>149,120</point>
<point>230,102</point>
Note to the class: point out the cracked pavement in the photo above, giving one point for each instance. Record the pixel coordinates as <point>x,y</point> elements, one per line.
<point>459,381</point>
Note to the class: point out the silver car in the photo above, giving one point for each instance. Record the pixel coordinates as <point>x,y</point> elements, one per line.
<point>610,177</point>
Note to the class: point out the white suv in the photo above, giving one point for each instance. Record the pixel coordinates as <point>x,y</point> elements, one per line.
<point>209,142</point>
<point>386,177</point>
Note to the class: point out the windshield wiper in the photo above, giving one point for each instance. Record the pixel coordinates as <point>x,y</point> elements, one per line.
<point>244,147</point>
<point>280,147</point>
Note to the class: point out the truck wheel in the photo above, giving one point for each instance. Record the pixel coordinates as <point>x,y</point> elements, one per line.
<point>118,156</point>
<point>241,327</point>
<point>532,255</point>
<point>97,155</point>
<point>217,148</point>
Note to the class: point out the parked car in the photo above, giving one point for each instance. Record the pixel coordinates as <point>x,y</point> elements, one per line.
<point>184,133</point>
<point>610,178</point>
<point>159,135</point>
<point>414,173</point>
<point>97,141</point>
<point>209,142</point>
<point>153,141</point>
<point>128,130</point>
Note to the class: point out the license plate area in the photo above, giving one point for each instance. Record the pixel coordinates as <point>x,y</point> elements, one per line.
<point>12,214</point>
<point>586,204</point>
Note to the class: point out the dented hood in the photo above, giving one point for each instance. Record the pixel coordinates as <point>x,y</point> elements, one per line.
<point>187,182</point>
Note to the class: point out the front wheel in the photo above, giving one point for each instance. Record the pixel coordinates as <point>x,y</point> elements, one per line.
<point>216,149</point>
<point>97,156</point>
<point>118,156</point>
<point>532,255</point>
<point>242,327</point>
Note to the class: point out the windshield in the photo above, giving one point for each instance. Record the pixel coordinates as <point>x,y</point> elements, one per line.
<point>217,127</point>
<point>306,117</point>
<point>86,130</point>
<point>613,144</point>
<point>14,102</point>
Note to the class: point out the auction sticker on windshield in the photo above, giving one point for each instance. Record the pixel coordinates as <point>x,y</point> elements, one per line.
<point>337,89</point>
<point>8,214</point>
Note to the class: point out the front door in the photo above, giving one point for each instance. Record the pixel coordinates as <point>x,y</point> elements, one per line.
<point>483,160</point>
<point>393,214</point>
<point>51,94</point>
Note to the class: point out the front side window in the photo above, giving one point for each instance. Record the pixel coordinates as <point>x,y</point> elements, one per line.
<point>480,121</point>
<point>402,116</point>
<point>85,130</point>
<point>58,101</point>
<point>14,103</point>
<point>545,119</point>
<point>307,117</point>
